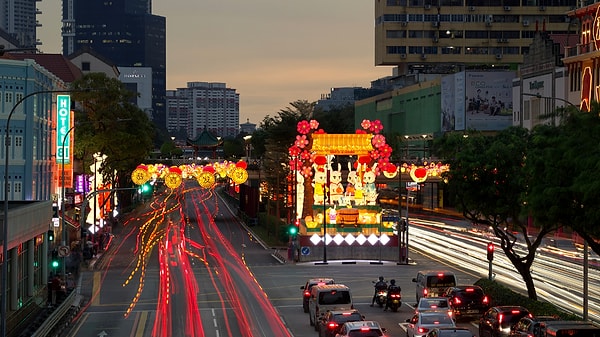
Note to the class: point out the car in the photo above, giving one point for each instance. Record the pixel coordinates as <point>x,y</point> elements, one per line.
<point>439,304</point>
<point>423,322</point>
<point>328,297</point>
<point>309,284</point>
<point>433,283</point>
<point>333,320</point>
<point>497,320</point>
<point>467,301</point>
<point>361,329</point>
<point>450,332</point>
<point>529,326</point>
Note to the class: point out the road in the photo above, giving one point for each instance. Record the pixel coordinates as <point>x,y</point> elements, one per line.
<point>187,267</point>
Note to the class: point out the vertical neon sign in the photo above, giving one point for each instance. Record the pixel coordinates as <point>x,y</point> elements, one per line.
<point>63,125</point>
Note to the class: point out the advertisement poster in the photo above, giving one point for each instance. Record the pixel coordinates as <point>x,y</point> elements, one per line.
<point>489,100</point>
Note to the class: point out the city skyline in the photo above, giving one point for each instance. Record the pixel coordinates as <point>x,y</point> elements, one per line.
<point>272,53</point>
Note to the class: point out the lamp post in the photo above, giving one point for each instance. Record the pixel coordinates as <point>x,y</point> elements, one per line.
<point>3,302</point>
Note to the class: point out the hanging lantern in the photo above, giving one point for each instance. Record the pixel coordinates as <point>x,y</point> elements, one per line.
<point>418,174</point>
<point>173,177</point>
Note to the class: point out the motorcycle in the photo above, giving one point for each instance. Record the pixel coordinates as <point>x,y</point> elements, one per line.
<point>395,301</point>
<point>381,294</point>
<point>381,297</point>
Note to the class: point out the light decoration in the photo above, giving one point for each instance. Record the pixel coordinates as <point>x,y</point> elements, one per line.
<point>206,176</point>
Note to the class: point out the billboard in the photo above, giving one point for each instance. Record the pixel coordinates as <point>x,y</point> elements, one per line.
<point>489,100</point>
<point>453,102</point>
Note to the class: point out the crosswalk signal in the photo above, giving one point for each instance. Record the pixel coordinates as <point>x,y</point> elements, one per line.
<point>490,251</point>
<point>54,263</point>
<point>50,236</point>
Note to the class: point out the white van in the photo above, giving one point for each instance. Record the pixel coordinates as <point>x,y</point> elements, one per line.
<point>433,283</point>
<point>328,297</point>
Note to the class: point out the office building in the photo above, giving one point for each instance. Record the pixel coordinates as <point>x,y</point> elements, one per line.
<point>18,20</point>
<point>443,36</point>
<point>339,98</point>
<point>127,33</point>
<point>207,106</point>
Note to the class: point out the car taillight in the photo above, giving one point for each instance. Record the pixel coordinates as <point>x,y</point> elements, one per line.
<point>307,294</point>
<point>500,318</point>
<point>425,292</point>
<point>423,330</point>
<point>332,325</point>
<point>395,296</point>
<point>457,301</point>
<point>365,328</point>
<point>486,300</point>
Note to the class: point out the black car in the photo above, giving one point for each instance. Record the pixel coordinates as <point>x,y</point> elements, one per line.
<point>529,326</point>
<point>332,321</point>
<point>467,301</point>
<point>309,284</point>
<point>497,321</point>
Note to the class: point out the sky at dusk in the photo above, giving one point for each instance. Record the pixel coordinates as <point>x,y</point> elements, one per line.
<point>272,52</point>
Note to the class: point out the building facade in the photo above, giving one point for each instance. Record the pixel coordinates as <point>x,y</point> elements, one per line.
<point>443,35</point>
<point>18,20</point>
<point>126,33</point>
<point>139,81</point>
<point>209,106</point>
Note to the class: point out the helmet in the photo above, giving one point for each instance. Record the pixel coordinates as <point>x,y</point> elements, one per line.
<point>380,278</point>
<point>392,282</point>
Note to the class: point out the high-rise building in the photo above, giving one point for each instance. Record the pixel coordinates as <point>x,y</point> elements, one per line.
<point>18,20</point>
<point>127,33</point>
<point>441,36</point>
<point>209,106</point>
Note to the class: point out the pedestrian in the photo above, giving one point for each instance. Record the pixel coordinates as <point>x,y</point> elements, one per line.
<point>55,288</point>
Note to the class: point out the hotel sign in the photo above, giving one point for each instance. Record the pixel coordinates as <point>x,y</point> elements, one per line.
<point>63,126</point>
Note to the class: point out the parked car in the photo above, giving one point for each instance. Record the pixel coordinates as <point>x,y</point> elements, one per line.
<point>361,329</point>
<point>423,322</point>
<point>332,322</point>
<point>439,304</point>
<point>450,332</point>
<point>467,301</point>
<point>497,321</point>
<point>309,284</point>
<point>529,326</point>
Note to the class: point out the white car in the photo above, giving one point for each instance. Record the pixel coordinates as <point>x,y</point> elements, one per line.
<point>436,304</point>
<point>423,322</point>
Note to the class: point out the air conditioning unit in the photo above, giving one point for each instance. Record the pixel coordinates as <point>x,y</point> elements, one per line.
<point>423,56</point>
<point>525,23</point>
<point>472,8</point>
<point>507,8</point>
<point>404,23</point>
<point>427,6</point>
<point>435,23</point>
<point>542,8</point>
<point>498,56</point>
<point>402,56</point>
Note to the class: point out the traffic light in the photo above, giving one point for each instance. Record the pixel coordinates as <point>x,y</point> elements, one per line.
<point>54,261</point>
<point>490,251</point>
<point>293,230</point>
<point>50,236</point>
<point>145,188</point>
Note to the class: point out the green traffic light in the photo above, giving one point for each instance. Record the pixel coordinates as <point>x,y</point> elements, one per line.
<point>54,264</point>
<point>293,230</point>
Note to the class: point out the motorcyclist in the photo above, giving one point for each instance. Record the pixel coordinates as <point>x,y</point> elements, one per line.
<point>379,285</point>
<point>392,289</point>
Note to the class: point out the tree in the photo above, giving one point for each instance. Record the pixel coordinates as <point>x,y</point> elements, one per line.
<point>489,184</point>
<point>108,123</point>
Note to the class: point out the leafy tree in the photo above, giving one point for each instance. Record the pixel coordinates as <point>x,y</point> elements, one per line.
<point>170,150</point>
<point>108,123</point>
<point>336,120</point>
<point>488,180</point>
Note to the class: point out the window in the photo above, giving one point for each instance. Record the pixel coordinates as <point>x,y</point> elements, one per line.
<point>85,66</point>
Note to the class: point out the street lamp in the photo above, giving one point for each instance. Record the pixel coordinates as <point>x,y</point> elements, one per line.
<point>3,287</point>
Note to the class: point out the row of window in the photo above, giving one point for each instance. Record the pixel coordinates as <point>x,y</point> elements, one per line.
<point>485,3</point>
<point>470,18</point>
<point>432,50</point>
<point>469,34</point>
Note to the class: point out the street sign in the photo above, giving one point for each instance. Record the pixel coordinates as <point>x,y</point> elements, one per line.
<point>63,251</point>
<point>390,218</point>
<point>305,251</point>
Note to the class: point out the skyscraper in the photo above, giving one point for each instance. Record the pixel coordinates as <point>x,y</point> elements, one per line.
<point>18,20</point>
<point>127,33</point>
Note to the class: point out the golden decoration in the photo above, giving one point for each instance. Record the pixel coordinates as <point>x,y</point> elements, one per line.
<point>140,176</point>
<point>173,180</point>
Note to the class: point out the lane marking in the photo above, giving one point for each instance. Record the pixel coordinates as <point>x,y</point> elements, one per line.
<point>96,289</point>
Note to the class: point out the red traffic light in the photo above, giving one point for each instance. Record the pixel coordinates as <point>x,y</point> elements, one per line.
<point>490,251</point>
